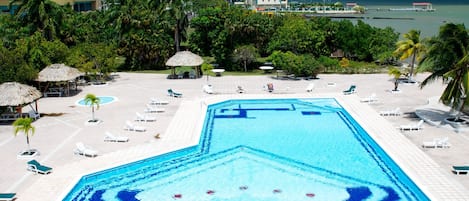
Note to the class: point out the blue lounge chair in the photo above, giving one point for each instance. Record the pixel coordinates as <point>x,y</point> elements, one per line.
<point>7,196</point>
<point>174,94</point>
<point>351,90</point>
<point>460,169</point>
<point>36,167</point>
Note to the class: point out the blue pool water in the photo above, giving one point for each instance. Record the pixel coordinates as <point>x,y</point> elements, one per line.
<point>103,100</point>
<point>255,150</point>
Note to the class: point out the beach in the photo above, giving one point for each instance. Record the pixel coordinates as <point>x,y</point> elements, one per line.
<point>62,124</point>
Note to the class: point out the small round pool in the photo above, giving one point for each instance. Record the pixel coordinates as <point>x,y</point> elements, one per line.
<point>104,100</point>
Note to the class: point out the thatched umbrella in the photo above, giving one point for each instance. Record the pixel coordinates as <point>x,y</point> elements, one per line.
<point>185,58</point>
<point>58,73</point>
<point>16,94</point>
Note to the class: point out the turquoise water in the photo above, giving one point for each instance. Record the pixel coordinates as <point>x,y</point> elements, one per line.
<point>103,100</point>
<point>427,22</point>
<point>289,149</point>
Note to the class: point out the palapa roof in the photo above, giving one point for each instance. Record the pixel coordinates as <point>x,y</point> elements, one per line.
<point>185,58</point>
<point>14,93</point>
<point>57,73</point>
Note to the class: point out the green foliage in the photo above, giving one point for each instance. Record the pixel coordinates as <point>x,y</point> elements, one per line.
<point>299,36</point>
<point>299,65</point>
<point>411,46</point>
<point>93,101</point>
<point>244,55</point>
<point>24,125</point>
<point>44,16</point>
<point>14,68</point>
<point>94,58</point>
<point>447,57</point>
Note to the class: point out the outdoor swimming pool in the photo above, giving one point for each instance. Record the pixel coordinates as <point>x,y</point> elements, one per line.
<point>282,149</point>
<point>103,100</point>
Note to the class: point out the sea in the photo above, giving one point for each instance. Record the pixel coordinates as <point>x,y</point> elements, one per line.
<point>378,14</point>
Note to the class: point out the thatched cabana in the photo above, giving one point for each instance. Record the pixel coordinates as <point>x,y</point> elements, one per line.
<point>16,95</point>
<point>58,73</point>
<point>185,58</point>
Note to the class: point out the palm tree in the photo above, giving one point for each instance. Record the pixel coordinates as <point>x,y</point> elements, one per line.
<point>447,58</point>
<point>24,125</point>
<point>396,73</point>
<point>93,101</point>
<point>39,15</point>
<point>411,46</point>
<point>178,10</point>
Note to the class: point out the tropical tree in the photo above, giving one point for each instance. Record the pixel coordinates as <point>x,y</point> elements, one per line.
<point>411,46</point>
<point>39,15</point>
<point>206,68</point>
<point>93,101</point>
<point>245,55</point>
<point>25,126</point>
<point>396,74</point>
<point>178,10</point>
<point>447,58</point>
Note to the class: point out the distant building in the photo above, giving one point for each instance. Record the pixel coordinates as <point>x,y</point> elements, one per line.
<point>262,4</point>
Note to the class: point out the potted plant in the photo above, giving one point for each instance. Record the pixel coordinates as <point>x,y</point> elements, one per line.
<point>25,125</point>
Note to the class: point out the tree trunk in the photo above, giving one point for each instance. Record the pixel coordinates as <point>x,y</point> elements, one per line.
<point>245,67</point>
<point>396,84</point>
<point>412,64</point>
<point>27,142</point>
<point>92,112</point>
<point>176,36</point>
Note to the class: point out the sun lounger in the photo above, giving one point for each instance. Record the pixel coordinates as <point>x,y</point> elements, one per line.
<point>240,90</point>
<point>33,114</point>
<point>36,167</point>
<point>141,117</point>
<point>109,137</point>
<point>152,108</point>
<point>174,94</point>
<point>370,99</point>
<point>460,169</point>
<point>208,89</point>
<point>351,90</point>
<point>412,127</point>
<point>131,127</point>
<point>310,87</point>
<point>155,101</point>
<point>270,87</point>
<point>7,196</point>
<point>84,150</point>
<point>437,143</point>
<point>395,112</point>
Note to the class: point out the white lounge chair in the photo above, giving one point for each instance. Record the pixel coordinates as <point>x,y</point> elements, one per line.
<point>370,99</point>
<point>141,117</point>
<point>412,127</point>
<point>109,137</point>
<point>437,143</point>
<point>153,108</point>
<point>310,87</point>
<point>34,115</point>
<point>84,150</point>
<point>155,101</point>
<point>240,90</point>
<point>395,112</point>
<point>131,127</point>
<point>208,89</point>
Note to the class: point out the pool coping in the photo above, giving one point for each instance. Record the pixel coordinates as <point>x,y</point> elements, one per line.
<point>426,173</point>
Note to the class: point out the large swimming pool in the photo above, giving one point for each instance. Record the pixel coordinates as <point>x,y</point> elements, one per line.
<point>255,150</point>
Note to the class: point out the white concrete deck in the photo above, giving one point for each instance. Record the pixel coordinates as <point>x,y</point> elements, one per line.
<point>182,121</point>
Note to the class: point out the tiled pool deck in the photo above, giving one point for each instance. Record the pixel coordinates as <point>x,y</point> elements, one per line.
<point>180,125</point>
